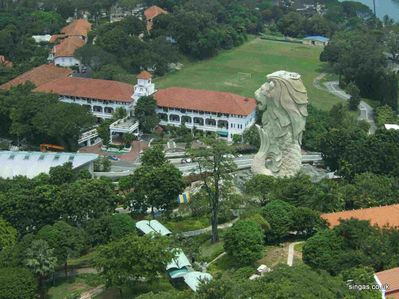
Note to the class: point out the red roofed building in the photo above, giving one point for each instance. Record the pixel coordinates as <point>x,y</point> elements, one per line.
<point>388,282</point>
<point>79,28</point>
<point>38,76</point>
<point>63,53</point>
<point>151,13</point>
<point>385,215</point>
<point>224,113</point>
<point>102,97</point>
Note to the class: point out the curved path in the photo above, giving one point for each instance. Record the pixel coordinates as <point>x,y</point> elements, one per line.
<point>366,111</point>
<point>290,258</point>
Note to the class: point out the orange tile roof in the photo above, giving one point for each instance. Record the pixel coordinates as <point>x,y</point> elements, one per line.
<point>78,27</point>
<point>55,37</point>
<point>4,62</point>
<point>205,100</point>
<point>391,278</point>
<point>68,46</point>
<point>152,12</point>
<point>144,75</point>
<point>385,215</point>
<point>38,76</point>
<point>89,88</point>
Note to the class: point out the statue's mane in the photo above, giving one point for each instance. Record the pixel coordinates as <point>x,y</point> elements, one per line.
<point>289,106</point>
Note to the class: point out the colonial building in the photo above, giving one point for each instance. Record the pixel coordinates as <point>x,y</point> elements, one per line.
<point>73,37</point>
<point>318,40</point>
<point>101,97</point>
<point>38,76</point>
<point>224,113</point>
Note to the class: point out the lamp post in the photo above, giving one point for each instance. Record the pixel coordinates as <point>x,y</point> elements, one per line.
<point>374,7</point>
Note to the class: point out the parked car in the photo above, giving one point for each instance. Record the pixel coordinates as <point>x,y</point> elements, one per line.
<point>113,158</point>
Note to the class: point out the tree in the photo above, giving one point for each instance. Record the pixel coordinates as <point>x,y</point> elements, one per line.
<point>63,174</point>
<point>244,242</point>
<point>67,241</point>
<point>291,24</point>
<point>104,133</point>
<point>17,283</point>
<point>133,258</point>
<point>251,137</point>
<point>392,41</point>
<point>128,139</point>
<point>279,215</point>
<point>109,228</point>
<point>40,259</point>
<point>145,113</point>
<point>156,187</point>
<point>153,156</point>
<point>307,221</point>
<point>8,235</point>
<point>354,92</point>
<point>83,200</point>
<point>283,282</point>
<point>261,187</point>
<point>215,167</point>
<point>385,115</point>
<point>102,164</point>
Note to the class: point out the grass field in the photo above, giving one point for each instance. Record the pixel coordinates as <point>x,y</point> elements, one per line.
<point>259,58</point>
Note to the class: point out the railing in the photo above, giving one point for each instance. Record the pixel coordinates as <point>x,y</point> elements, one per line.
<point>121,125</point>
<point>88,135</point>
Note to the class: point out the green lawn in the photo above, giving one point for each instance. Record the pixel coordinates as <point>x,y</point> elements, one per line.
<point>259,58</point>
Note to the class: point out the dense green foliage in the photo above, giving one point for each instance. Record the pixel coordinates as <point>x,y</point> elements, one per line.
<point>283,282</point>
<point>41,118</point>
<point>8,234</point>
<point>353,243</point>
<point>244,242</point>
<point>133,258</point>
<point>155,185</point>
<point>145,113</point>
<point>16,283</point>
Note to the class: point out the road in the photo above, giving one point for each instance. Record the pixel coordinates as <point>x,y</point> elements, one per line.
<point>290,258</point>
<point>366,111</point>
<point>124,168</point>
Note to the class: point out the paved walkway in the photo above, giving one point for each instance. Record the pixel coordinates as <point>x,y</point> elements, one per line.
<point>93,292</point>
<point>290,258</point>
<point>201,231</point>
<point>366,111</point>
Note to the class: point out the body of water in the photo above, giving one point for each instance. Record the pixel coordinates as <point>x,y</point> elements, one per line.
<point>384,7</point>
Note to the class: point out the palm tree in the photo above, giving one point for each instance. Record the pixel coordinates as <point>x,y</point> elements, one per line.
<point>40,259</point>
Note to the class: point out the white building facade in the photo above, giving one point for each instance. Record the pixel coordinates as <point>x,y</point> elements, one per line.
<point>66,61</point>
<point>102,109</point>
<point>222,113</point>
<point>224,124</point>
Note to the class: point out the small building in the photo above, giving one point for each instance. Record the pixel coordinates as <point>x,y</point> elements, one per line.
<point>63,53</point>
<point>391,126</point>
<point>77,28</point>
<point>38,76</point>
<point>101,97</point>
<point>152,226</point>
<point>316,40</point>
<point>380,216</point>
<point>388,282</point>
<point>42,38</point>
<point>73,37</point>
<point>31,164</point>
<point>223,113</point>
<point>194,278</point>
<point>151,13</point>
<point>179,266</point>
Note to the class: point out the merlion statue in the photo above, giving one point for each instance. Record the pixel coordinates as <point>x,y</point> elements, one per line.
<point>284,100</point>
